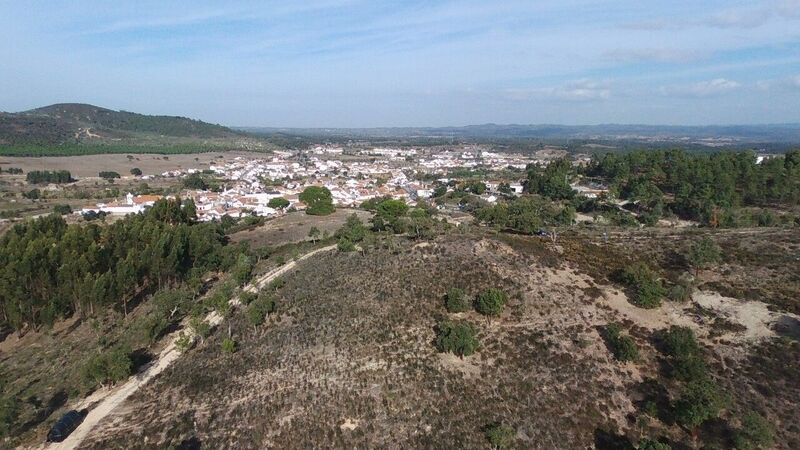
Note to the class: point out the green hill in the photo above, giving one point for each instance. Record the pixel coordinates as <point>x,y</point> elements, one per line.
<point>75,128</point>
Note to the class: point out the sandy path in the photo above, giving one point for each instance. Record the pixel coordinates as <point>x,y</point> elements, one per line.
<point>107,400</point>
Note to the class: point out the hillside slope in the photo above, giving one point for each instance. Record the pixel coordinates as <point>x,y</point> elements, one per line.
<point>70,124</point>
<point>349,361</point>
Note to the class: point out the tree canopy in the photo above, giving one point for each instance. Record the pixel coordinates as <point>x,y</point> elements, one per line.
<point>318,200</point>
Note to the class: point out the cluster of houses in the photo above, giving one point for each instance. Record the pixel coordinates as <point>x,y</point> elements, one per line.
<point>251,183</point>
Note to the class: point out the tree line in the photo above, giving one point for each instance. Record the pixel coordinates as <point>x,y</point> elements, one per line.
<point>49,269</point>
<point>47,176</point>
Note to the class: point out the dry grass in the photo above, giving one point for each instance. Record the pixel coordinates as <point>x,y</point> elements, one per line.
<point>294,227</point>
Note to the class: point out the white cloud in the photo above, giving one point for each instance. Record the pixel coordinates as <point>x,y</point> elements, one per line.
<point>578,90</point>
<point>708,88</point>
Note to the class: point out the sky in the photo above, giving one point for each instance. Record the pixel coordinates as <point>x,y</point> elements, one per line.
<point>371,63</point>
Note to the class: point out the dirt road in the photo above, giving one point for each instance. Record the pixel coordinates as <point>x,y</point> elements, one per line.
<point>106,401</point>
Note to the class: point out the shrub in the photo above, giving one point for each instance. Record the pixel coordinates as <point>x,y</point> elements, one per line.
<point>247,297</point>
<point>229,345</point>
<point>688,368</point>
<point>345,245</point>
<point>9,411</point>
<point>353,229</point>
<point>622,346</point>
<point>704,254</point>
<point>200,327</point>
<point>108,175</point>
<point>756,432</point>
<point>679,342</point>
<point>457,338</point>
<point>455,301</point>
<point>259,309</point>
<point>647,288</point>
<point>184,342</point>
<point>651,444</point>
<point>680,293</point>
<point>500,436</point>
<point>62,209</point>
<point>136,172</point>
<point>109,367</point>
<point>490,302</point>
<point>700,401</point>
<point>243,270</point>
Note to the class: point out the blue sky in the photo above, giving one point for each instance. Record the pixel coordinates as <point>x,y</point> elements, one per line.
<point>351,63</point>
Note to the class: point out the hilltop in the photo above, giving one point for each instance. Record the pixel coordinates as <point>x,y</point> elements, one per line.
<point>76,128</point>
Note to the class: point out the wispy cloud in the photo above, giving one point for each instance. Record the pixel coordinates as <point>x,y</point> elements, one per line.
<point>708,88</point>
<point>578,90</point>
<point>665,55</point>
<point>738,17</point>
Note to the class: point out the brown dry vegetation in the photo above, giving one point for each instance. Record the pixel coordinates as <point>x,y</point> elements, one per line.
<point>349,361</point>
<point>294,227</point>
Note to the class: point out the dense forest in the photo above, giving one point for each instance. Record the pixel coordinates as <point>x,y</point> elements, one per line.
<point>713,189</point>
<point>49,269</point>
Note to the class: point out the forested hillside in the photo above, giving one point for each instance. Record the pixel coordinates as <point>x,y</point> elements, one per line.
<point>51,270</point>
<point>73,129</point>
<point>724,189</point>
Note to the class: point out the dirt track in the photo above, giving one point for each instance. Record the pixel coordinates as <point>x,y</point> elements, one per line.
<point>106,401</point>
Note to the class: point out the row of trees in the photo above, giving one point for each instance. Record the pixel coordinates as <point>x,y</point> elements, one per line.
<point>47,176</point>
<point>49,269</point>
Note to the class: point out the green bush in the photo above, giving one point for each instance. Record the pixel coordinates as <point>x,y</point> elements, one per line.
<point>108,175</point>
<point>109,367</point>
<point>200,327</point>
<point>9,411</point>
<point>704,253</point>
<point>247,297</point>
<point>755,433</point>
<point>456,337</point>
<point>688,368</point>
<point>345,245</point>
<point>455,301</point>
<point>646,286</point>
<point>701,400</point>
<point>679,342</point>
<point>184,342</point>
<point>652,444</point>
<point>500,436</point>
<point>62,209</point>
<point>353,229</point>
<point>229,345</point>
<point>258,311</point>
<point>491,302</point>
<point>622,346</point>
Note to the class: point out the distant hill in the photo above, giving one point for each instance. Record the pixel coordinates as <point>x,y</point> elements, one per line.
<point>712,135</point>
<point>76,123</point>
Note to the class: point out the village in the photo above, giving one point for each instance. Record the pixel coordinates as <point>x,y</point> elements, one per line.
<point>251,185</point>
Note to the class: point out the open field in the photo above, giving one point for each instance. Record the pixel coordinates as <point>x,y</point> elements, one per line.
<point>348,360</point>
<point>149,163</point>
<point>294,227</point>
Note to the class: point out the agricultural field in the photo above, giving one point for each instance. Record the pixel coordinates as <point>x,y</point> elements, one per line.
<point>349,358</point>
